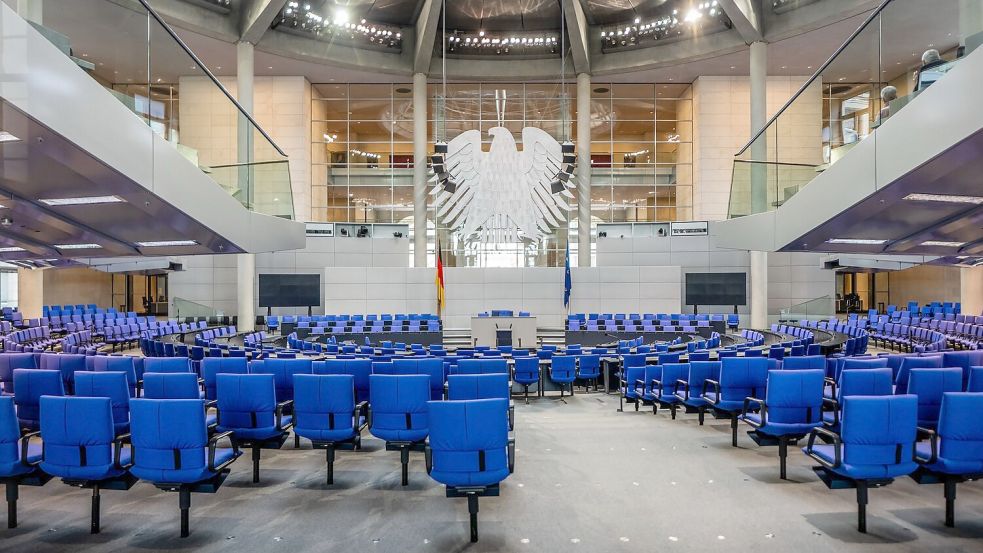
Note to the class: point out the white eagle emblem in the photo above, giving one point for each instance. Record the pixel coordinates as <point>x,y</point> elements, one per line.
<point>503,195</point>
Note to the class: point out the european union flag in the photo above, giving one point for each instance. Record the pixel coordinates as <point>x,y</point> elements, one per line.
<point>567,284</point>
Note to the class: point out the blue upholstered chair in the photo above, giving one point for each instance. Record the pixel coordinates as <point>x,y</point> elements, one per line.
<point>360,369</point>
<point>469,450</point>
<point>806,362</point>
<point>632,371</point>
<point>166,365</point>
<point>179,456</point>
<point>875,445</point>
<point>462,387</point>
<point>954,451</point>
<point>739,378</point>
<point>964,360</point>
<point>865,382</point>
<point>325,413</point>
<point>248,407</point>
<point>211,367</point>
<point>929,385</point>
<point>19,458</point>
<point>661,385</point>
<point>81,447</point>
<point>432,367</point>
<point>792,407</point>
<point>29,386</point>
<point>526,373</point>
<point>481,366</point>
<point>398,413</point>
<point>8,363</point>
<point>589,368</point>
<point>110,385</point>
<point>912,362</point>
<point>116,363</point>
<point>65,363</point>
<point>975,382</point>
<point>688,389</point>
<point>283,371</point>
<point>563,371</point>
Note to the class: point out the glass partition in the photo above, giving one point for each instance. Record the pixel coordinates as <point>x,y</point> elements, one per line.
<point>185,308</point>
<point>898,52</point>
<point>822,307</point>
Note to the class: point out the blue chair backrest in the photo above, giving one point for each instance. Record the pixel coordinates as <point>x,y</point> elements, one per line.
<point>166,365</point>
<point>469,442</point>
<point>671,372</point>
<point>71,426</point>
<point>963,360</point>
<point>805,362</point>
<point>113,363</point>
<point>700,371</point>
<point>929,385</point>
<point>909,363</point>
<point>477,386</point>
<point>283,371</point>
<point>110,385</point>
<point>865,382</point>
<point>563,365</point>
<point>432,367</point>
<point>325,402</point>
<point>483,366</point>
<point>157,447</point>
<point>848,364</point>
<point>633,360</point>
<point>213,366</point>
<point>29,386</point>
<point>65,363</point>
<point>360,369</point>
<point>399,406</point>
<point>9,437</point>
<point>590,365</point>
<point>795,397</point>
<point>11,361</point>
<point>246,400</point>
<point>874,429</point>
<point>170,386</point>
<point>743,377</point>
<point>527,370</point>
<point>975,383</point>
<point>960,429</point>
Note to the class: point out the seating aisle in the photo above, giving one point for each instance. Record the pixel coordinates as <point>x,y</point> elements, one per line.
<point>587,479</point>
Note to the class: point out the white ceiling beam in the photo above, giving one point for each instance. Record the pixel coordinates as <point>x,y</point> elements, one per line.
<point>746,17</point>
<point>578,30</point>
<point>190,17</point>
<point>426,34</point>
<point>255,18</point>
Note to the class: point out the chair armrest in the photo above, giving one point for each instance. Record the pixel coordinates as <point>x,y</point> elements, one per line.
<point>25,441</point>
<point>762,406</point>
<point>832,406</point>
<point>428,457</point>
<point>832,385</point>
<point>280,408</point>
<point>639,382</point>
<point>933,436</point>
<point>656,384</point>
<point>139,388</point>
<point>511,417</point>
<point>837,443</point>
<point>675,389</point>
<point>716,389</point>
<point>368,416</point>
<point>360,407</point>
<point>213,445</point>
<point>118,450</point>
<point>209,403</point>
<point>511,453</point>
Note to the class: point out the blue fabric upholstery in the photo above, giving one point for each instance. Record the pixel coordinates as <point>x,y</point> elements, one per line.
<point>462,434</point>
<point>699,372</point>
<point>432,367</point>
<point>247,406</point>
<point>975,383</point>
<point>667,375</point>
<point>166,365</point>
<point>589,366</point>
<point>563,369</point>
<point>878,437</point>
<point>527,370</point>
<point>283,371</point>
<point>166,431</point>
<point>929,385</point>
<point>11,462</point>
<point>360,369</point>
<point>29,386</point>
<point>171,386</point>
<point>477,386</point>
<point>740,377</point>
<point>110,385</point>
<point>213,366</point>
<point>964,360</point>
<point>78,437</point>
<point>960,435</point>
<point>793,403</point>
<point>8,363</point>
<point>65,363</point>
<point>482,366</point>
<point>324,407</point>
<point>113,363</point>
<point>805,362</point>
<point>909,363</point>
<point>399,407</point>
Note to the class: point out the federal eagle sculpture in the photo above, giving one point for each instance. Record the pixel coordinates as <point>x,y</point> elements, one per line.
<point>503,195</point>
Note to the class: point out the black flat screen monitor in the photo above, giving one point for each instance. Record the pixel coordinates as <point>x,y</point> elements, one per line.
<point>300,290</point>
<point>716,289</point>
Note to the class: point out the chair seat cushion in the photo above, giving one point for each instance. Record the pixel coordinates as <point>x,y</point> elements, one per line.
<point>184,475</point>
<point>948,466</point>
<point>780,428</point>
<point>828,453</point>
<point>17,468</point>
<point>262,433</point>
<point>92,472</point>
<point>521,380</point>
<point>459,468</point>
<point>723,405</point>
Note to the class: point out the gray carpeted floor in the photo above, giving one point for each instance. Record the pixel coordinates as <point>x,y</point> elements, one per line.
<point>587,479</point>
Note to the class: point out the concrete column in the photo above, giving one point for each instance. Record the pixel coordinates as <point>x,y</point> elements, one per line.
<point>245,263</point>
<point>970,19</point>
<point>419,170</point>
<point>30,292</point>
<point>31,10</point>
<point>971,290</point>
<point>759,180</point>
<point>583,170</point>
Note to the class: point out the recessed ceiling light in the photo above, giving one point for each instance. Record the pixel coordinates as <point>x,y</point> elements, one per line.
<point>8,249</point>
<point>948,198</point>
<point>943,244</point>
<point>865,241</point>
<point>7,137</point>
<point>87,200</point>
<point>165,243</point>
<point>76,246</point>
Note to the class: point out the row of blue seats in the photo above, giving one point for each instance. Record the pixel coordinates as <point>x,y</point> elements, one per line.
<point>911,338</point>
<point>639,317</point>
<point>965,335</point>
<point>273,321</point>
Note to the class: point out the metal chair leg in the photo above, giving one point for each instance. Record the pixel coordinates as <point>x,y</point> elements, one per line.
<point>473,511</point>
<point>782,455</point>
<point>12,495</point>
<point>862,506</point>
<point>733,430</point>
<point>404,459</point>
<point>256,455</point>
<point>330,459</point>
<point>950,501</point>
<point>184,502</point>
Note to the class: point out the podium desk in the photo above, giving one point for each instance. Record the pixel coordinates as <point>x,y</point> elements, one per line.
<point>484,331</point>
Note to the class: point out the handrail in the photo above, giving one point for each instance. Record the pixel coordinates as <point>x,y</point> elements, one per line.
<point>863,26</point>
<point>208,72</point>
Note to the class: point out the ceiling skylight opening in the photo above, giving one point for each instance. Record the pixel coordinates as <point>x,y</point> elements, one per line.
<point>86,200</point>
<point>9,249</point>
<point>857,241</point>
<point>166,243</point>
<point>946,198</point>
<point>943,244</point>
<point>7,137</point>
<point>77,246</point>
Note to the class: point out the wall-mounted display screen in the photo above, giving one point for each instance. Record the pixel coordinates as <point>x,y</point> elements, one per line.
<point>716,288</point>
<point>300,290</point>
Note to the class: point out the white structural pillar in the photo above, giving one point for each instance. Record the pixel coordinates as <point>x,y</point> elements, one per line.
<point>583,170</point>
<point>30,10</point>
<point>246,262</point>
<point>971,290</point>
<point>419,170</point>
<point>30,292</point>
<point>759,191</point>
<point>970,19</point>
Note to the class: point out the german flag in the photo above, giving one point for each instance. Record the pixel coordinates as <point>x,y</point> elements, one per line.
<point>439,281</point>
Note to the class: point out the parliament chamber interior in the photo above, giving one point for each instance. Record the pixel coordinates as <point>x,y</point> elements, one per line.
<point>504,276</point>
